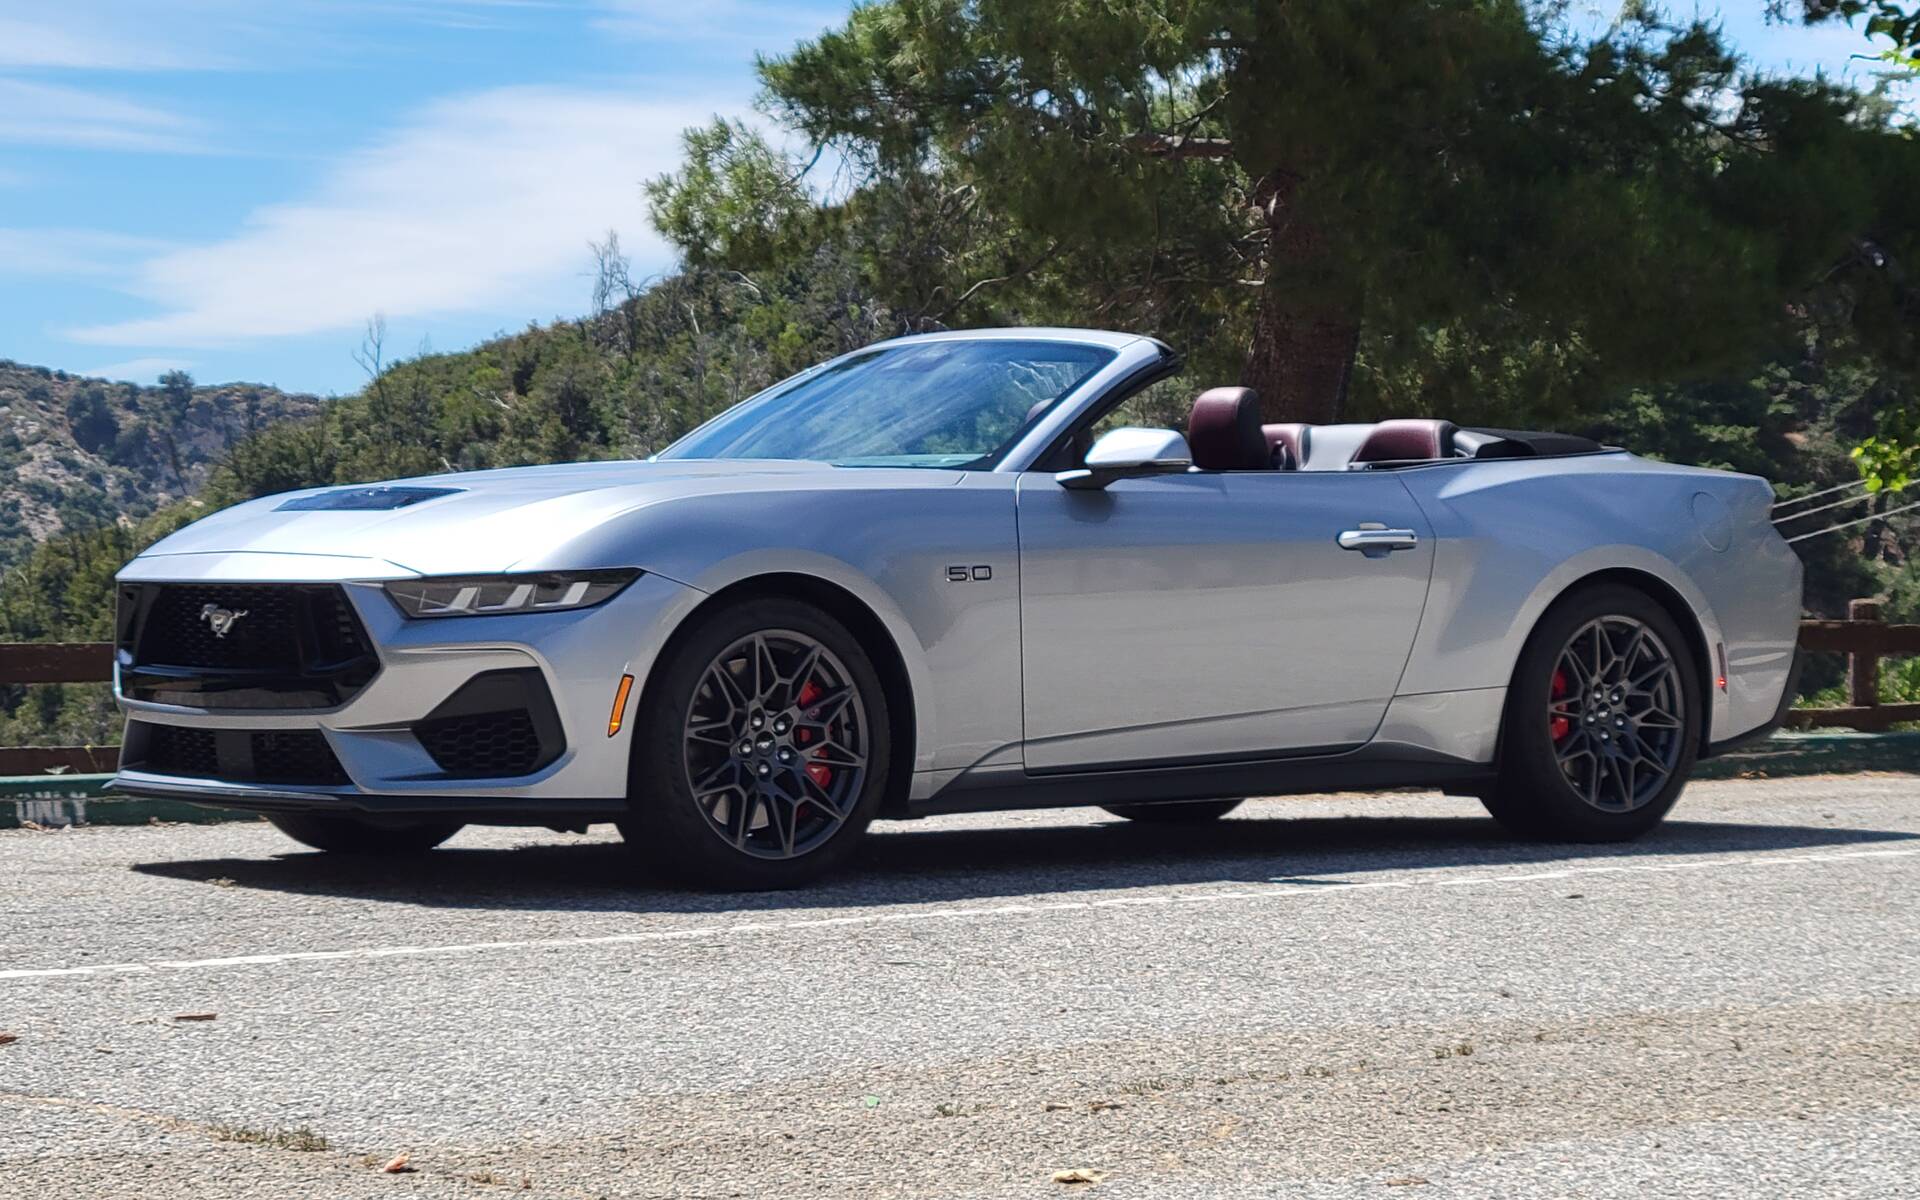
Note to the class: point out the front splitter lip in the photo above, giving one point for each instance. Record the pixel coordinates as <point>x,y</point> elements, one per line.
<point>506,810</point>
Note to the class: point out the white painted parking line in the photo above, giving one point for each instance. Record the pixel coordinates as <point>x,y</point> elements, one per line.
<point>1282,888</point>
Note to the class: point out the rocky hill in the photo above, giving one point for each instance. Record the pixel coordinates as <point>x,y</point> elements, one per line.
<point>77,453</point>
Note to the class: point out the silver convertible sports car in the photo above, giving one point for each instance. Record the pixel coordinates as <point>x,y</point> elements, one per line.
<point>937,575</point>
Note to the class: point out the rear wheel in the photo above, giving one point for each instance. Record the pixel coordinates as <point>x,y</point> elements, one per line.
<point>353,835</point>
<point>1603,720</point>
<point>761,750</point>
<point>1194,813</point>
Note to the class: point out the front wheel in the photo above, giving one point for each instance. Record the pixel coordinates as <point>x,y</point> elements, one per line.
<point>352,835</point>
<point>1603,721</point>
<point>761,752</point>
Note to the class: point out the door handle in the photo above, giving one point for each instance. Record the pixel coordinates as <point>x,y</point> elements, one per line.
<point>1371,538</point>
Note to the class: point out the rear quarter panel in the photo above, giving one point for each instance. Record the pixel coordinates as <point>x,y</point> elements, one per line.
<point>1515,535</point>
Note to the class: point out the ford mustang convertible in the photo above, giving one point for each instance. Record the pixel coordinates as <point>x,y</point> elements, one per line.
<point>939,575</point>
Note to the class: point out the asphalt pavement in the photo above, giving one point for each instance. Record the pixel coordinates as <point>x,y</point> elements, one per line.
<point>1317,997</point>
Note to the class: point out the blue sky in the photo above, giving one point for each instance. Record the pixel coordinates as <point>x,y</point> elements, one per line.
<point>233,187</point>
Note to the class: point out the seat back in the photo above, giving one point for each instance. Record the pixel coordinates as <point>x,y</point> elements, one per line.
<point>1224,431</point>
<point>1407,441</point>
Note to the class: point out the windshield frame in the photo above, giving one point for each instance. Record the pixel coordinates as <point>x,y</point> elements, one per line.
<point>1128,353</point>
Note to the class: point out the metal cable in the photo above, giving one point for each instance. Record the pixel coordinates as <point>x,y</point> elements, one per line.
<point>1807,512</point>
<point>1841,487</point>
<point>1856,521</point>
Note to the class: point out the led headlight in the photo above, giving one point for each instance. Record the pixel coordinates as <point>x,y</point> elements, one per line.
<point>500,595</point>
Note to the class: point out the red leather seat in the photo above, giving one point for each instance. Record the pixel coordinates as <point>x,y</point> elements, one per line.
<point>1288,445</point>
<point>1411,440</point>
<point>1224,431</point>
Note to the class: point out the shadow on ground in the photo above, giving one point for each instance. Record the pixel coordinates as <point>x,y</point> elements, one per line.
<point>924,863</point>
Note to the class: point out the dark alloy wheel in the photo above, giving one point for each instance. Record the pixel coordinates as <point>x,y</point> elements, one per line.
<point>1603,720</point>
<point>1614,713</point>
<point>352,835</point>
<point>775,744</point>
<point>1191,812</point>
<point>761,750</point>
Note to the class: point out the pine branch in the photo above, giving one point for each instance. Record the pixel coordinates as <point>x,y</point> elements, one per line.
<point>1178,147</point>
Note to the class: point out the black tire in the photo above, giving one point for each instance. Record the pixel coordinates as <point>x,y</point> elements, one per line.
<point>1533,794</point>
<point>1194,812</point>
<point>351,835</point>
<point>675,834</point>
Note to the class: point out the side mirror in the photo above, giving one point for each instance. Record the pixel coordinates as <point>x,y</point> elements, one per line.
<point>1128,453</point>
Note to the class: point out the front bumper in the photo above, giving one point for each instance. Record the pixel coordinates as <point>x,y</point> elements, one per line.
<point>497,809</point>
<point>579,655</point>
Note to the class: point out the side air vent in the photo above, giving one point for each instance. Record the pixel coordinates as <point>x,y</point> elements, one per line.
<point>499,725</point>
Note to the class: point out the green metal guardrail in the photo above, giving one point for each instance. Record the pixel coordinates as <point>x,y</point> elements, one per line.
<point>55,801</point>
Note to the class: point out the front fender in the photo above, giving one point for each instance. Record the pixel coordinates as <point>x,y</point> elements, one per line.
<point>890,548</point>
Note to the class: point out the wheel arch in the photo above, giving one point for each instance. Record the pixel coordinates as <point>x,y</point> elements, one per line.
<point>1670,599</point>
<point>863,622</point>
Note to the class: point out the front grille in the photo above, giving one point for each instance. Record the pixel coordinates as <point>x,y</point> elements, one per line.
<point>291,756</point>
<point>242,645</point>
<point>483,746</point>
<point>179,634</point>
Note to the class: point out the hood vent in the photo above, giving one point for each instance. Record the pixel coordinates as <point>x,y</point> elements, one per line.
<point>363,499</point>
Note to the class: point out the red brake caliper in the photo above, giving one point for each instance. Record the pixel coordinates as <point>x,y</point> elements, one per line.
<point>820,773</point>
<point>1558,726</point>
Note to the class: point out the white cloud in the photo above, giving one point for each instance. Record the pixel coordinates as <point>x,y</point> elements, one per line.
<point>137,370</point>
<point>761,23</point>
<point>81,42</point>
<point>53,253</point>
<point>145,35</point>
<point>479,203</point>
<point>48,114</point>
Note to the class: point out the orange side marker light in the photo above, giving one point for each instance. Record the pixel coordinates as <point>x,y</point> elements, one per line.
<point>619,714</point>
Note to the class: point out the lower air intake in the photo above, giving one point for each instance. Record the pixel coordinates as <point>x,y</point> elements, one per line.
<point>282,756</point>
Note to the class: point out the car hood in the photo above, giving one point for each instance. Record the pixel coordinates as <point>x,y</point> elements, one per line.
<point>492,520</point>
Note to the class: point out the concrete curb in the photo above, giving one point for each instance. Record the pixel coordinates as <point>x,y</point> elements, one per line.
<point>1817,753</point>
<point>60,800</point>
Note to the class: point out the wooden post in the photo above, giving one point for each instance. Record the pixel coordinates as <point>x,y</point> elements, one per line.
<point>1863,666</point>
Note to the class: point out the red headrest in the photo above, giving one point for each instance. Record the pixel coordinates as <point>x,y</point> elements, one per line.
<point>1224,431</point>
<point>1288,445</point>
<point>1407,441</point>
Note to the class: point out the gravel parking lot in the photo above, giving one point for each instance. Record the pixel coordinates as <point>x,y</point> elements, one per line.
<point>1321,997</point>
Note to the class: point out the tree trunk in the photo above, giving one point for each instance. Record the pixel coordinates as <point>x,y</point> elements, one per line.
<point>1306,327</point>
<point>1299,361</point>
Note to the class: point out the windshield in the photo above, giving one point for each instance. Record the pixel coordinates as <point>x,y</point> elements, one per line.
<point>923,404</point>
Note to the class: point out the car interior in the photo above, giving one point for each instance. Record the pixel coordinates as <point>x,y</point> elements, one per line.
<point>1225,433</point>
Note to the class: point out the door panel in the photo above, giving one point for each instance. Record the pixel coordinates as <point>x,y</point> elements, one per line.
<point>1212,615</point>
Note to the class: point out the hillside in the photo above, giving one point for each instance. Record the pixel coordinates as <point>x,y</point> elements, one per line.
<point>77,453</point>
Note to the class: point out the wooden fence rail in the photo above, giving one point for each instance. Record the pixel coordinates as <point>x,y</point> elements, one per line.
<point>1863,637</point>
<point>56,662</point>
